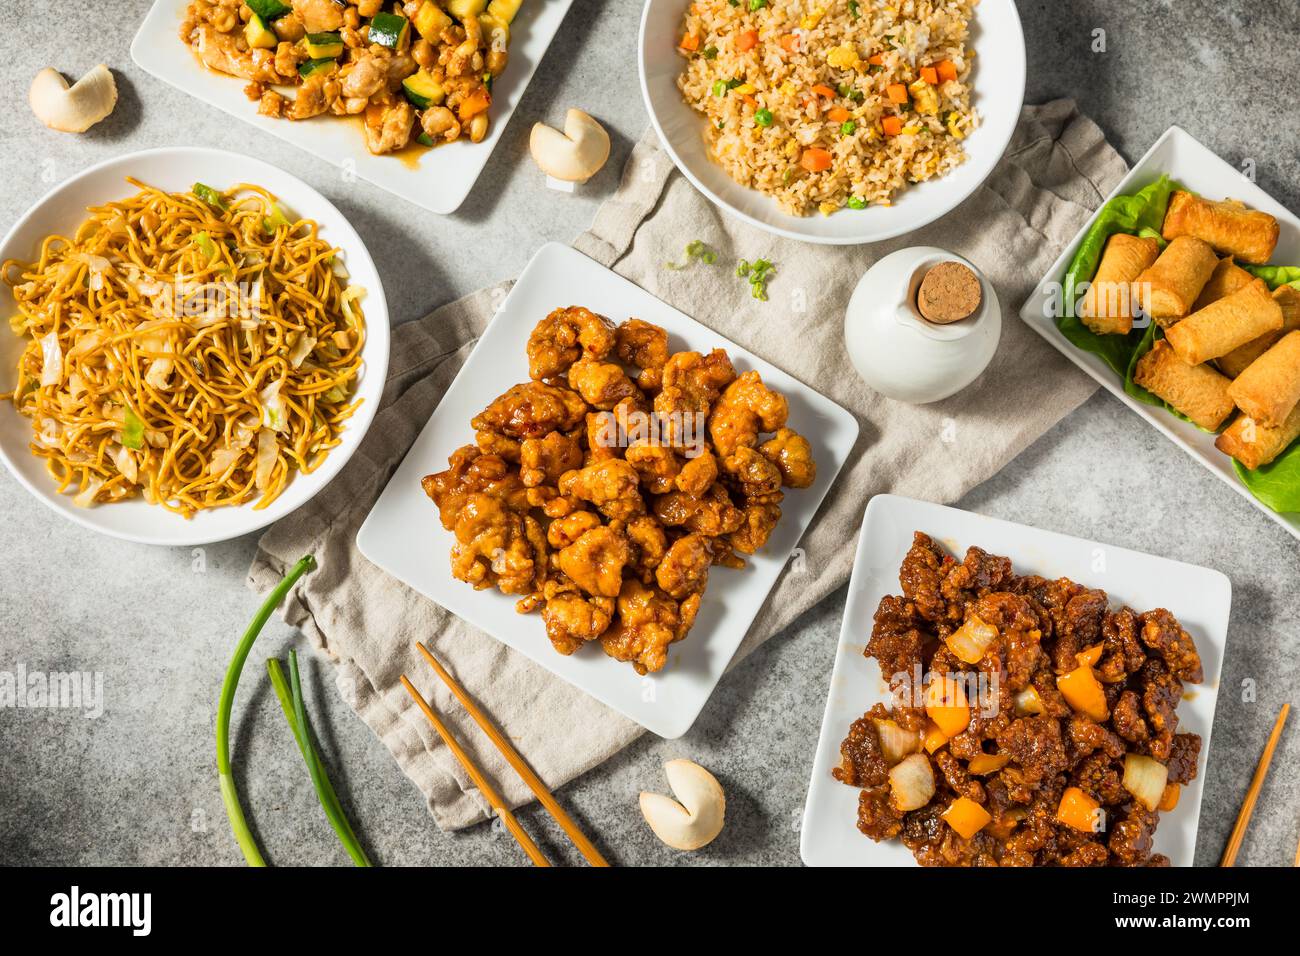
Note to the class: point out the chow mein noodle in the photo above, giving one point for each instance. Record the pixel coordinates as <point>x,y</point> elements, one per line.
<point>193,348</point>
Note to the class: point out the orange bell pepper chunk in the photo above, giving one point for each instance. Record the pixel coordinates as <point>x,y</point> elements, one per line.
<point>1078,810</point>
<point>934,738</point>
<point>988,763</point>
<point>966,817</point>
<point>815,159</point>
<point>746,40</point>
<point>690,42</point>
<point>837,114</point>
<point>824,91</point>
<point>930,75</point>
<point>1084,693</point>
<point>897,93</point>
<point>1169,799</point>
<point>947,70</point>
<point>1090,657</point>
<point>945,703</point>
<point>473,104</point>
<point>892,125</point>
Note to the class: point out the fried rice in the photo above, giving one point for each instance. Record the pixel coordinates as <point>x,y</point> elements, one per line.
<point>830,104</point>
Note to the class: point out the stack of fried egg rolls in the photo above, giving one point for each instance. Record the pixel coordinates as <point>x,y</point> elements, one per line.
<point>1229,343</point>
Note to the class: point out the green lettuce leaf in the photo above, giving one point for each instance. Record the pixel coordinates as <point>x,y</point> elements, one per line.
<point>1276,484</point>
<point>1276,275</point>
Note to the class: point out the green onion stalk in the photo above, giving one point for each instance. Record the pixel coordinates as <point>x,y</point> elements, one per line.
<point>295,712</point>
<point>229,793</point>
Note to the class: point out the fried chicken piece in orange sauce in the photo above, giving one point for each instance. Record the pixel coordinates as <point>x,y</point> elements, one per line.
<point>472,472</point>
<point>697,474</point>
<point>751,473</point>
<point>648,621</point>
<point>644,346</point>
<point>497,547</point>
<point>602,384</point>
<point>544,460</point>
<point>531,410</point>
<point>658,466</point>
<point>792,454</point>
<point>571,620</point>
<point>595,561</point>
<point>712,514</point>
<point>611,485</point>
<point>684,570</point>
<point>691,383</point>
<point>746,408</point>
<point>760,516</point>
<point>565,336</point>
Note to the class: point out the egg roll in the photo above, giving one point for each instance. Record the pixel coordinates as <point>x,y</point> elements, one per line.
<point>1226,279</point>
<point>1270,388</point>
<point>1222,326</point>
<point>1229,226</point>
<point>1167,289</point>
<point>1255,445</point>
<point>1198,391</point>
<point>1239,359</point>
<point>1108,307</point>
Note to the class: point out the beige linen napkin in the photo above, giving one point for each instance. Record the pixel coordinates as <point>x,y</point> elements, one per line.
<point>1057,170</point>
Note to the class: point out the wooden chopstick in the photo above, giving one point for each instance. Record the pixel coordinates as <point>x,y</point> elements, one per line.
<point>480,781</point>
<point>585,846</point>
<point>1252,794</point>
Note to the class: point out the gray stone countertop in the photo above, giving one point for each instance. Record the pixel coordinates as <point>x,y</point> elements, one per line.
<point>137,785</point>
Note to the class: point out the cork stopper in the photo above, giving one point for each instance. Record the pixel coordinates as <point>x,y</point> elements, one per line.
<point>949,293</point>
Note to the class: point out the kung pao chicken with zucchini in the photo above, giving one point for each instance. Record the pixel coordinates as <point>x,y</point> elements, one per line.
<point>418,69</point>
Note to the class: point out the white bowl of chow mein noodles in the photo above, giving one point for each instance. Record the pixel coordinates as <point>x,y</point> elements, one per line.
<point>196,344</point>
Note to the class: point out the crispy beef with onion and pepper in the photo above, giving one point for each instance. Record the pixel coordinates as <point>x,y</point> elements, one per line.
<point>1032,724</point>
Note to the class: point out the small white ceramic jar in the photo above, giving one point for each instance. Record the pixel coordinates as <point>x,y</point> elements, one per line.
<point>901,354</point>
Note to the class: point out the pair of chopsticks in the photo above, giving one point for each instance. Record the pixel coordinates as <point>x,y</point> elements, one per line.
<point>585,846</point>
<point>1252,793</point>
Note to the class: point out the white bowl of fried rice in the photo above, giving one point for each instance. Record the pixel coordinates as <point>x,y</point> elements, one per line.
<point>834,121</point>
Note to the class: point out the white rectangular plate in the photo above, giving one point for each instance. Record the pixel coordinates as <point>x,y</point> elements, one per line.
<point>437,179</point>
<point>403,536</point>
<point>1190,163</point>
<point>1198,597</point>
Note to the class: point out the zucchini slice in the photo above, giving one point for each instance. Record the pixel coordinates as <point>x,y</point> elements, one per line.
<point>423,90</point>
<point>259,35</point>
<point>323,46</point>
<point>505,10</point>
<point>430,20</point>
<point>312,67</point>
<point>464,9</point>
<point>390,30</point>
<point>268,10</point>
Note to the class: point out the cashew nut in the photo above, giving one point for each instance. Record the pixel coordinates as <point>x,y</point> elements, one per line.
<point>76,108</point>
<point>575,155</point>
<point>698,818</point>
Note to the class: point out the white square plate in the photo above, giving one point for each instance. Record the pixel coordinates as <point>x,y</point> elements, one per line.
<point>437,179</point>
<point>1189,163</point>
<point>1198,597</point>
<point>403,536</point>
